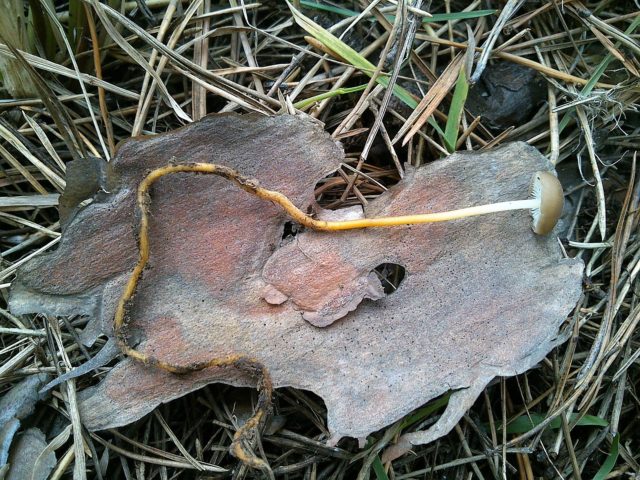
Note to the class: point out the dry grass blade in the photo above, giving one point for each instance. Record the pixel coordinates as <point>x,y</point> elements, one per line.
<point>49,66</point>
<point>66,128</point>
<point>510,8</point>
<point>201,57</point>
<point>16,360</point>
<point>608,44</point>
<point>104,112</point>
<point>155,460</point>
<point>7,272</point>
<point>220,85</point>
<point>246,47</point>
<point>430,101</point>
<point>394,40</point>
<point>13,161</point>
<point>147,91</point>
<point>139,59</point>
<point>178,444</point>
<point>13,140</point>
<point>407,25</point>
<point>586,129</point>
<point>15,220</point>
<point>520,60</point>
<point>44,140</point>
<point>79,468</point>
<point>58,26</point>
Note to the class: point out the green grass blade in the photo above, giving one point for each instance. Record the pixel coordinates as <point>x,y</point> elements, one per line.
<point>329,8</point>
<point>425,411</point>
<point>75,25</point>
<point>611,460</point>
<point>332,42</point>
<point>333,93</point>
<point>455,111</point>
<point>525,423</point>
<point>378,469</point>
<point>587,421</point>
<point>40,30</point>
<point>445,17</point>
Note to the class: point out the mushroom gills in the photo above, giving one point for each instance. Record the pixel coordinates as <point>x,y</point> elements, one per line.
<point>547,191</point>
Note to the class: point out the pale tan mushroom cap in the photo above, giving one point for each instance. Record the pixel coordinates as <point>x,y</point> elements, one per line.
<point>546,187</point>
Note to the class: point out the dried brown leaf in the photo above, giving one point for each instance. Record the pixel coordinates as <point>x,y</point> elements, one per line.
<point>28,448</point>
<point>482,297</point>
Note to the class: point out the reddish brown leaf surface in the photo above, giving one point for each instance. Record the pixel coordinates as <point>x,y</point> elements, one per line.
<point>482,297</point>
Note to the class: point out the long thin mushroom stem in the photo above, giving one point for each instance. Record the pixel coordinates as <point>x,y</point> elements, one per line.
<point>425,217</point>
<point>544,220</point>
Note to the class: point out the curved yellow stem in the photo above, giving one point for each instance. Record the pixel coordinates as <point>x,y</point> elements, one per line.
<point>241,361</point>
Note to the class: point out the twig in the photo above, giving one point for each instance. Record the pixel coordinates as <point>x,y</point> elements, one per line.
<point>510,8</point>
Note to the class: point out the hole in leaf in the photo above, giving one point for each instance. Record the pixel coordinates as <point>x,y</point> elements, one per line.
<point>390,275</point>
<point>290,230</point>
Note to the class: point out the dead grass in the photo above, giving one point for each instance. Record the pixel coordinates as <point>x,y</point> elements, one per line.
<point>95,75</point>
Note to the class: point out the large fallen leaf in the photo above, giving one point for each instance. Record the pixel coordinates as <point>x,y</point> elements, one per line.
<point>482,297</point>
<point>30,459</point>
<point>20,401</point>
<point>16,405</point>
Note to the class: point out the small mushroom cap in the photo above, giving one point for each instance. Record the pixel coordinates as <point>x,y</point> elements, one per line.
<point>546,187</point>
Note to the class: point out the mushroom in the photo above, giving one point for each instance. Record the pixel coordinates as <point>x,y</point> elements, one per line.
<point>547,191</point>
<point>545,203</point>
